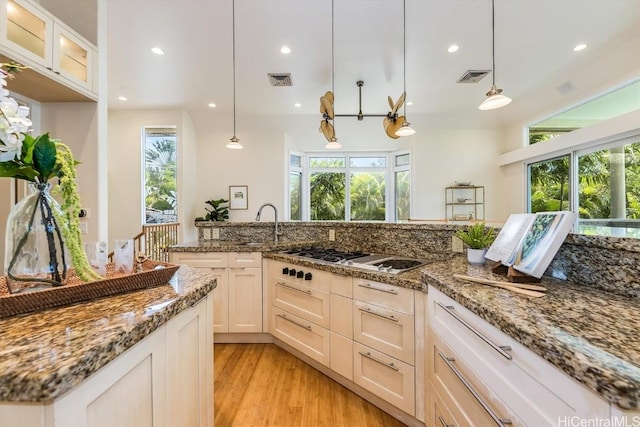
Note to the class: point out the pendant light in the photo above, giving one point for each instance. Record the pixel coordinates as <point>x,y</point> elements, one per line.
<point>406,129</point>
<point>333,144</point>
<point>495,99</point>
<point>234,143</point>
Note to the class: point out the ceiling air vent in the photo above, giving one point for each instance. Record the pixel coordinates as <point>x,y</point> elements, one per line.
<point>280,79</point>
<point>473,76</point>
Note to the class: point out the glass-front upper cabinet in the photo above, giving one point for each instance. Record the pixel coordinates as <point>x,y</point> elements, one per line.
<point>33,36</point>
<point>28,31</point>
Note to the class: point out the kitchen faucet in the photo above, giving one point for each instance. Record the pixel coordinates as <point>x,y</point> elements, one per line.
<point>278,228</point>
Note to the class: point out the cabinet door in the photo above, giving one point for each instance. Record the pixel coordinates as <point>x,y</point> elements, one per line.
<point>189,356</point>
<point>27,30</point>
<point>72,57</point>
<point>310,339</point>
<point>245,299</point>
<point>220,299</point>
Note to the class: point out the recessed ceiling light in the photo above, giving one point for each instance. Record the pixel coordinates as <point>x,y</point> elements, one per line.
<point>157,50</point>
<point>409,103</point>
<point>580,47</point>
<point>212,105</point>
<point>297,104</point>
<point>285,49</point>
<point>453,48</point>
<point>122,98</point>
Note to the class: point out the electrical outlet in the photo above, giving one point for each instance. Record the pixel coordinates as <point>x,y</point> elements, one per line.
<point>206,233</point>
<point>332,235</point>
<point>215,233</point>
<point>456,244</point>
<point>84,228</point>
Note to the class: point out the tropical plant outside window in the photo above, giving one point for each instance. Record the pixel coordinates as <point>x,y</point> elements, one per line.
<point>160,175</point>
<point>350,187</point>
<point>549,185</point>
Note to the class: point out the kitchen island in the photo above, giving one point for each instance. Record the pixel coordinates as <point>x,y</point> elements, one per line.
<point>139,358</point>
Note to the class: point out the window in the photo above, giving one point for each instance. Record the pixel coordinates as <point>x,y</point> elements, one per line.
<point>346,187</point>
<point>549,185</point>
<point>160,175</point>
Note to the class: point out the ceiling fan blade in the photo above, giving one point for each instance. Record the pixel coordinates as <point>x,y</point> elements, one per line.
<point>390,103</point>
<point>328,107</point>
<point>329,96</point>
<point>327,129</point>
<point>394,126</point>
<point>399,103</point>
<point>323,108</point>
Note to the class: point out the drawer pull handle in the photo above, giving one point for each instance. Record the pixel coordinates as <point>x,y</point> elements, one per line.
<point>368,310</point>
<point>449,361</point>
<point>368,286</point>
<point>284,285</point>
<point>388,365</point>
<point>307,327</point>
<point>444,423</point>
<point>218,268</point>
<point>502,349</point>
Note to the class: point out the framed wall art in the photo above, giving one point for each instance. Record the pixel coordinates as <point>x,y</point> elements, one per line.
<point>238,197</point>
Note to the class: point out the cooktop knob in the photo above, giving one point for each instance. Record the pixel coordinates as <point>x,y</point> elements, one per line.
<point>300,274</point>
<point>307,276</point>
<point>285,270</point>
<point>292,272</point>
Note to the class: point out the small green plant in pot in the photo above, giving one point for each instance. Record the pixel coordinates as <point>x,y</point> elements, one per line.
<point>219,211</point>
<point>478,237</point>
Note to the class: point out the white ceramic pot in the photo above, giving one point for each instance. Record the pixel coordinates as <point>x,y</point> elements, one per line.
<point>476,256</point>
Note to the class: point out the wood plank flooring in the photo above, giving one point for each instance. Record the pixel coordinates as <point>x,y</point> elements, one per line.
<point>263,385</point>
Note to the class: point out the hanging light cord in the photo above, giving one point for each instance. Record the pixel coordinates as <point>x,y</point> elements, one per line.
<point>493,42</point>
<point>404,54</point>
<point>332,54</point>
<point>233,15</point>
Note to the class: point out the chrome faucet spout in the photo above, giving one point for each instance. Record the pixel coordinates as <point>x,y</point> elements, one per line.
<point>278,228</point>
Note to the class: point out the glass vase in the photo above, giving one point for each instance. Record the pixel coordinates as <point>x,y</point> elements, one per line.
<point>35,255</point>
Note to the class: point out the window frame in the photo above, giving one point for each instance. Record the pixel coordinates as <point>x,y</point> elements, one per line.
<point>389,174</point>
<point>143,164</point>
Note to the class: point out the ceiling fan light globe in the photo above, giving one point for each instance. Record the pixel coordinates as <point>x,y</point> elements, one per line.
<point>333,144</point>
<point>405,130</point>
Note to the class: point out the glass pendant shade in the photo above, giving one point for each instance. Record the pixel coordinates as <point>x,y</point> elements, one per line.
<point>494,99</point>
<point>234,144</point>
<point>405,130</point>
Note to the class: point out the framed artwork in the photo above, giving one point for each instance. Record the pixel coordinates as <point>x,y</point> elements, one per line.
<point>238,197</point>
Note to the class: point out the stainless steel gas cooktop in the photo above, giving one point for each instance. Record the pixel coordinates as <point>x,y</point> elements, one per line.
<point>391,264</point>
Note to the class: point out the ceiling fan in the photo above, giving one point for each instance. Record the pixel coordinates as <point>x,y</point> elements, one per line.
<point>326,108</point>
<point>392,122</point>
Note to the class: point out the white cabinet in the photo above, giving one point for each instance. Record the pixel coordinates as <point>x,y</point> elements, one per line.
<point>482,375</point>
<point>29,34</point>
<point>238,294</point>
<point>164,380</point>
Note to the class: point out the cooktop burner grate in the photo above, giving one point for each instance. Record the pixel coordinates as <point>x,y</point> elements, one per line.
<point>324,254</point>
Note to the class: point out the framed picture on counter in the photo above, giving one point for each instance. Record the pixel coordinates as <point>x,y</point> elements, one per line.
<point>238,197</point>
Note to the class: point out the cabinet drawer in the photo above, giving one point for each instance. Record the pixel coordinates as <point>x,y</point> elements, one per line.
<point>310,339</point>
<point>201,259</point>
<point>511,370</point>
<point>386,377</point>
<point>385,295</point>
<point>303,301</point>
<point>469,399</point>
<point>341,310</point>
<point>245,259</point>
<point>384,330</point>
<point>439,414</point>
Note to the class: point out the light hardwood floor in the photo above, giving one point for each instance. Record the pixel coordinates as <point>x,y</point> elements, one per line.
<point>263,385</point>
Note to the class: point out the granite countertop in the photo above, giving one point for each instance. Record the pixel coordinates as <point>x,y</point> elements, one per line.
<point>236,246</point>
<point>45,354</point>
<point>589,334</point>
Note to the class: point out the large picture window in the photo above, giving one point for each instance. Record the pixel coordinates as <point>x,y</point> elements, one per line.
<point>160,175</point>
<point>350,187</point>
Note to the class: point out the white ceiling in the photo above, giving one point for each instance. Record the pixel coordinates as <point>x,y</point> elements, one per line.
<point>534,57</point>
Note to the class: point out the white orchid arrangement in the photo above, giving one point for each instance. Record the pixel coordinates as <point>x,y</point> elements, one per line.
<point>14,118</point>
<point>38,160</point>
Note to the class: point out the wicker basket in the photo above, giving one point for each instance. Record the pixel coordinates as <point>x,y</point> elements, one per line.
<point>76,290</point>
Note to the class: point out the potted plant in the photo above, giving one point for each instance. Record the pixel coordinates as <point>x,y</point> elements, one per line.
<point>219,211</point>
<point>478,237</point>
